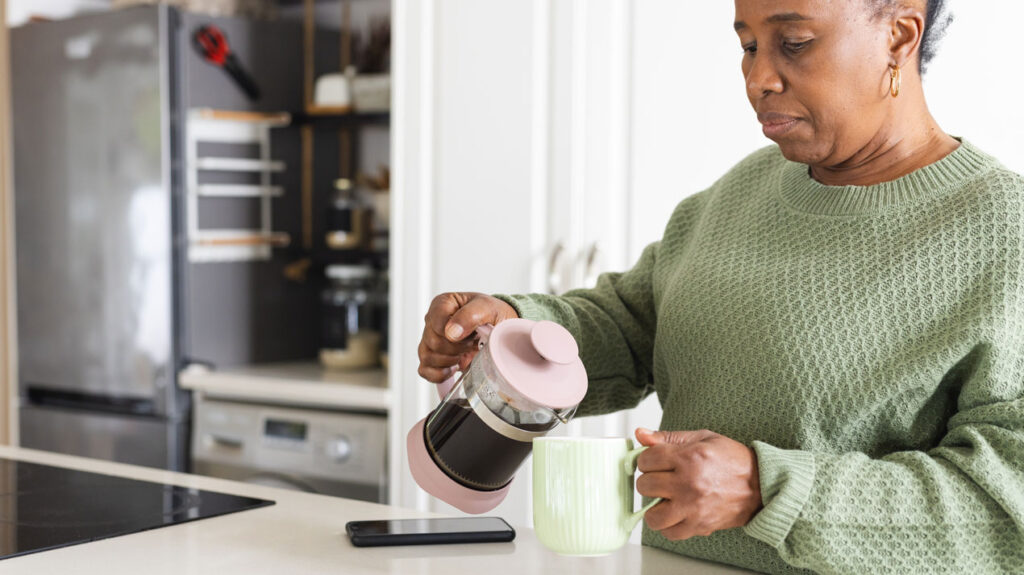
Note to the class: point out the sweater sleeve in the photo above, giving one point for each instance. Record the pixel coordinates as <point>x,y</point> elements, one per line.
<point>614,324</point>
<point>957,508</point>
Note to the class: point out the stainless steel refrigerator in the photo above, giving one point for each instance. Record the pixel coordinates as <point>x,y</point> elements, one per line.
<point>109,307</point>
<point>96,168</point>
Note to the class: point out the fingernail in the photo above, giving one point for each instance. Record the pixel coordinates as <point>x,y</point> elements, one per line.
<point>643,430</point>
<point>453,331</point>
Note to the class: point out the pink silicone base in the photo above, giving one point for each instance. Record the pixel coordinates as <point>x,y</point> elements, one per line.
<point>435,482</point>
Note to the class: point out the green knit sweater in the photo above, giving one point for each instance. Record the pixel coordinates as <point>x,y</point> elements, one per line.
<point>867,342</point>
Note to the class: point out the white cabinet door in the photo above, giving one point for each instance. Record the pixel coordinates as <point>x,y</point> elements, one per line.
<point>471,141</point>
<point>510,142</point>
<point>589,197</point>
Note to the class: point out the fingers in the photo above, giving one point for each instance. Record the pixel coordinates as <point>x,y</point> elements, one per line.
<point>657,458</point>
<point>455,315</point>
<point>669,516</point>
<point>674,457</point>
<point>674,523</point>
<point>663,515</point>
<point>440,357</point>
<point>478,311</point>
<point>441,373</point>
<point>441,310</point>
<point>436,366</point>
<point>707,481</point>
<point>465,359</point>
<point>657,484</point>
<point>439,344</point>
<point>446,345</point>
<point>648,437</point>
<point>436,374</point>
<point>645,436</point>
<point>441,360</point>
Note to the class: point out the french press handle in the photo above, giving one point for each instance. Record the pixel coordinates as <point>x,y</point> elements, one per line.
<point>483,333</point>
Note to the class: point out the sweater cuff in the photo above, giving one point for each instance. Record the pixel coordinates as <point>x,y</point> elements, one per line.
<point>787,477</point>
<point>525,307</point>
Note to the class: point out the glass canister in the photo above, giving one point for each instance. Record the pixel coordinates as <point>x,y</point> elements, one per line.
<point>351,336</point>
<point>349,219</point>
<point>525,381</point>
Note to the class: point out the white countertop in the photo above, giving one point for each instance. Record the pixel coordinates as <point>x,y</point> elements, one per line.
<point>305,533</point>
<point>304,384</point>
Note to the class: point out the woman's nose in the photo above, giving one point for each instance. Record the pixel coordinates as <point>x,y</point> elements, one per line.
<point>763,78</point>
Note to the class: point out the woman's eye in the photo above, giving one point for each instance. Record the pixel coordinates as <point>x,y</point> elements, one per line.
<point>795,47</point>
<point>749,48</point>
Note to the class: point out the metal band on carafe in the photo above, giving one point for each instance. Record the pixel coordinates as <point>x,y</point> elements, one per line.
<point>500,425</point>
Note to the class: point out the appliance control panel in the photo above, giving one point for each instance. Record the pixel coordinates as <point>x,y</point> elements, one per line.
<point>333,445</point>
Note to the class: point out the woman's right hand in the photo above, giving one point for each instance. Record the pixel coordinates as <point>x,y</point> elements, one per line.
<point>447,345</point>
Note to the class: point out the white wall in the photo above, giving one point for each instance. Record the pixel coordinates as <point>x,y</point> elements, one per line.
<point>975,86</point>
<point>18,11</point>
<point>692,121</point>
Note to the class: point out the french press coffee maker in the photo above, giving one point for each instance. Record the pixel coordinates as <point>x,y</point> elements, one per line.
<point>526,380</point>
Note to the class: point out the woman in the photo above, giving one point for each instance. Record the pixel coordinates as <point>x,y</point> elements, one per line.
<point>842,315</point>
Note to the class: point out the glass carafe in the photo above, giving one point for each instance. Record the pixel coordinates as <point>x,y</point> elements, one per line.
<point>526,379</point>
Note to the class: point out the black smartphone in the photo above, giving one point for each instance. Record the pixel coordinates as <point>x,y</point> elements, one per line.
<point>429,531</point>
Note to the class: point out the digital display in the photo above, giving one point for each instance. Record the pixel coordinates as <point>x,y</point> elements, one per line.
<point>293,430</point>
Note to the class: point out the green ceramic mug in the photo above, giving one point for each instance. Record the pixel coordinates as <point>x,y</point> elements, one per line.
<point>583,493</point>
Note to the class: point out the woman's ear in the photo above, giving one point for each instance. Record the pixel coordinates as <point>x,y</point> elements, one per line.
<point>906,34</point>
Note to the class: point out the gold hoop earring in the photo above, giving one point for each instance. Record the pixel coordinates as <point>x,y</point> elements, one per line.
<point>895,80</point>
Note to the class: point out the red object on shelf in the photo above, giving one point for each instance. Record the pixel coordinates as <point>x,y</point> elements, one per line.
<point>213,45</point>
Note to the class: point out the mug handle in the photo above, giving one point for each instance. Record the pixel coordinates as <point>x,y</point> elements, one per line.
<point>629,467</point>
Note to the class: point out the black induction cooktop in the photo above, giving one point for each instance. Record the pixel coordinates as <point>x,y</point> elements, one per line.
<point>44,507</point>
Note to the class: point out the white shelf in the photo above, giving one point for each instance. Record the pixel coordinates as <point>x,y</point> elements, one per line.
<point>211,245</point>
<point>271,119</point>
<point>295,383</point>
<point>239,165</point>
<point>238,191</point>
<point>243,127</point>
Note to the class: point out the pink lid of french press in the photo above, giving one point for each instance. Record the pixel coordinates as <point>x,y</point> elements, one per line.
<point>540,360</point>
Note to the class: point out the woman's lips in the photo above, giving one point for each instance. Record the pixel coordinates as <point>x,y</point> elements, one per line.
<point>775,125</point>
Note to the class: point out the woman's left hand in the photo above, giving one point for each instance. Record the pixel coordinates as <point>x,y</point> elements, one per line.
<point>708,482</point>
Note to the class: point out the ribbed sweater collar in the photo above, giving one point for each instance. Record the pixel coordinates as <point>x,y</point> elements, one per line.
<point>801,191</point>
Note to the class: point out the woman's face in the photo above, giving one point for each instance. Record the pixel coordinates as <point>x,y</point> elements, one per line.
<point>817,74</point>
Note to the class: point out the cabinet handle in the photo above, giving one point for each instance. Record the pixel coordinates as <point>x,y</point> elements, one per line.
<point>554,265</point>
<point>590,271</point>
<point>222,441</point>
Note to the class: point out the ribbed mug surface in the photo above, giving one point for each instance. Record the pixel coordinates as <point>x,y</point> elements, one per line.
<point>582,495</point>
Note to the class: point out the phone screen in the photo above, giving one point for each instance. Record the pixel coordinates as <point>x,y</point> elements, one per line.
<point>423,531</point>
